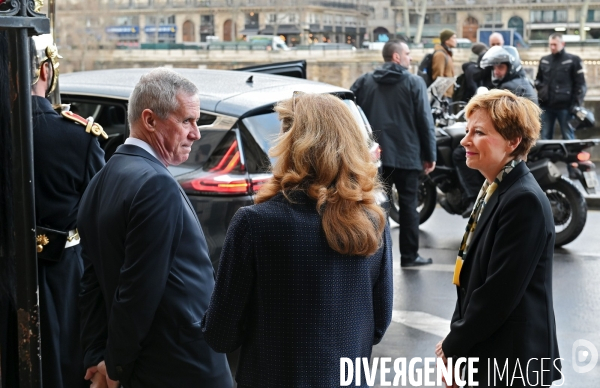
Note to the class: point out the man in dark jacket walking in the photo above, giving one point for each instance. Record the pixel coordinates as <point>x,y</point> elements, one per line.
<point>396,104</point>
<point>560,83</point>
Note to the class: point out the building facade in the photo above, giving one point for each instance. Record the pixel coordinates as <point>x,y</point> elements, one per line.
<point>133,23</point>
<point>531,19</point>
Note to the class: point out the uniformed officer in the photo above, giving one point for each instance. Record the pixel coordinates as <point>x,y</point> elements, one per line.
<point>66,157</point>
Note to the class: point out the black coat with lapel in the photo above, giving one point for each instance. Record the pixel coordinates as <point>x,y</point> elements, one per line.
<point>147,280</point>
<point>504,309</point>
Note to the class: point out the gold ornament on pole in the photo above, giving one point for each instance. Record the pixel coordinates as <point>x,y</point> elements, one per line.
<point>38,5</point>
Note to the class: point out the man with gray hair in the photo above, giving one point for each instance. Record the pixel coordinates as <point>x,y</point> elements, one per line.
<point>147,275</point>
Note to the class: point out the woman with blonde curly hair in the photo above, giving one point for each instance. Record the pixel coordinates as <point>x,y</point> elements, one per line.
<point>306,274</point>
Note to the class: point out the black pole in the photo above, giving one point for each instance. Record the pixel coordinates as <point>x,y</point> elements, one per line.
<point>24,206</point>
<point>20,19</point>
<point>8,321</point>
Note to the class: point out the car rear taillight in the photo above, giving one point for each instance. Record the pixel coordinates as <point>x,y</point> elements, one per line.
<point>219,184</point>
<point>224,174</point>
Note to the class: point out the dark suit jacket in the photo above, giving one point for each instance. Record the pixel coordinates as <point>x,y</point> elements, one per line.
<point>66,158</point>
<point>292,303</point>
<point>148,278</point>
<point>504,308</point>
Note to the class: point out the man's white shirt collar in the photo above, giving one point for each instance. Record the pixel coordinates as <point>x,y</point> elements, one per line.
<point>143,145</point>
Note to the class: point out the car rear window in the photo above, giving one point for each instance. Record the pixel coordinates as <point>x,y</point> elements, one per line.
<point>265,127</point>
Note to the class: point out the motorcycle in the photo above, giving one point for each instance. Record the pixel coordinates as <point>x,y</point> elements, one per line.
<point>568,205</point>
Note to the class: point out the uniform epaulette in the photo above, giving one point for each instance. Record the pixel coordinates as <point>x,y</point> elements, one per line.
<point>89,124</point>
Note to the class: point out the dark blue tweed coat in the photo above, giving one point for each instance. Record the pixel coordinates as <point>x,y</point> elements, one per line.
<point>293,304</point>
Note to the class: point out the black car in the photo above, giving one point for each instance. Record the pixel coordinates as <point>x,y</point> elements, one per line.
<point>237,124</point>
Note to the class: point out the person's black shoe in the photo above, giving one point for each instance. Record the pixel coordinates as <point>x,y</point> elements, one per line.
<point>416,262</point>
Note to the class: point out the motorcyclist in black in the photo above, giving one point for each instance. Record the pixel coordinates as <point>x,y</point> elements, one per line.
<point>507,74</point>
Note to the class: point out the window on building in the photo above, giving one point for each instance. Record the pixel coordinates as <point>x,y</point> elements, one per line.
<point>126,20</point>
<point>292,18</point>
<point>549,16</point>
<point>386,13</point>
<point>251,20</point>
<point>593,15</point>
<point>150,20</point>
<point>449,18</point>
<point>272,18</point>
<point>432,18</point>
<point>493,17</point>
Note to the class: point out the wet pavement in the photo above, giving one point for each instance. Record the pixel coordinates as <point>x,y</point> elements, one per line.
<point>424,298</point>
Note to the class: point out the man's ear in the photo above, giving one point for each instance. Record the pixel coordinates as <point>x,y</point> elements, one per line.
<point>148,120</point>
<point>45,72</point>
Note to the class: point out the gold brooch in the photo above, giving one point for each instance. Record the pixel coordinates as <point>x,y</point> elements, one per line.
<point>41,241</point>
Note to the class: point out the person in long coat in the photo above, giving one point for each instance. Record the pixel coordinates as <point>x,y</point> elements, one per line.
<point>147,276</point>
<point>306,274</point>
<point>504,313</point>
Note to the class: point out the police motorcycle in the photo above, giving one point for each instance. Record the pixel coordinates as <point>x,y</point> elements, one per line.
<point>443,186</point>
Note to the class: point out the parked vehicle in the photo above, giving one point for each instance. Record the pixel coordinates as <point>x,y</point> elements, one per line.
<point>230,162</point>
<point>568,204</point>
<point>253,43</point>
<point>272,42</point>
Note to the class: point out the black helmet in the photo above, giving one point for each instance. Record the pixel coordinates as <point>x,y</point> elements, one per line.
<point>502,54</point>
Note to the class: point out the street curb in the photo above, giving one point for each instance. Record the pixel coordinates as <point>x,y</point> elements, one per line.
<point>593,203</point>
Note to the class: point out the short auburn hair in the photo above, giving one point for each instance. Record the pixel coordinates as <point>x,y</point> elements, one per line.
<point>511,115</point>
